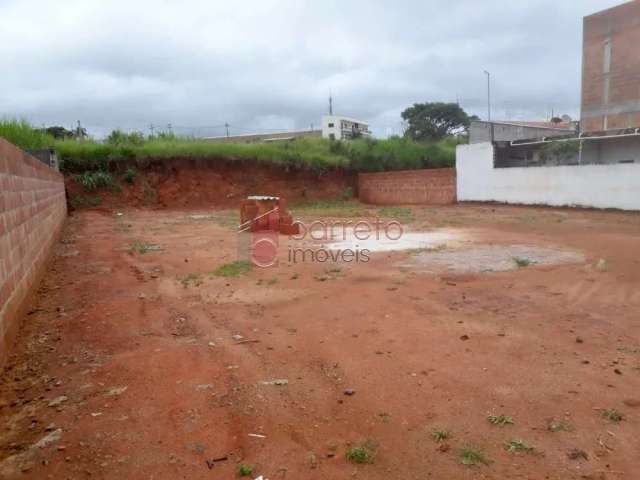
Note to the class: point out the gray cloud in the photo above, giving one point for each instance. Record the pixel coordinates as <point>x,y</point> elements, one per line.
<point>269,64</point>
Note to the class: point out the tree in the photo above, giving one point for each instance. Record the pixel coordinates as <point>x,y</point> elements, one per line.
<point>58,132</point>
<point>434,120</point>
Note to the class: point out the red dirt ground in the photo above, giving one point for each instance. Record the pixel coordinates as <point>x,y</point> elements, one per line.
<point>421,351</point>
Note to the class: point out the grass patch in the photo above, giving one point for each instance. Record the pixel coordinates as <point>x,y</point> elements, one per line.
<point>362,453</point>
<point>522,262</point>
<point>143,247</point>
<point>559,426</point>
<point>233,269</point>
<point>612,415</point>
<point>244,470</point>
<point>24,135</point>
<point>329,274</point>
<point>441,435</point>
<point>190,279</point>
<point>332,208</point>
<point>403,214</point>
<point>500,420</point>
<point>85,201</point>
<point>472,455</point>
<point>518,445</point>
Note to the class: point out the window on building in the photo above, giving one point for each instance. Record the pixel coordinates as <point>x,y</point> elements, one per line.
<point>331,125</point>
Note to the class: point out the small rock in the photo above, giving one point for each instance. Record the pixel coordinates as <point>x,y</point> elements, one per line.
<point>632,402</point>
<point>601,265</point>
<point>115,391</point>
<point>237,337</point>
<point>577,454</point>
<point>349,392</point>
<point>313,460</point>
<point>444,447</point>
<point>49,439</point>
<point>211,344</point>
<point>617,371</point>
<point>277,381</point>
<point>58,401</point>
<point>579,340</point>
<point>464,337</point>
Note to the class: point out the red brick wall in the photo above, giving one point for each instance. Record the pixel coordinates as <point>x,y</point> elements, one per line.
<point>614,93</point>
<point>434,186</point>
<point>32,211</point>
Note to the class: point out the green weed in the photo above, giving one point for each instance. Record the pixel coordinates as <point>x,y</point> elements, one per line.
<point>189,279</point>
<point>233,269</point>
<point>93,180</point>
<point>471,455</point>
<point>362,453</point>
<point>401,214</point>
<point>245,470</point>
<point>518,445</point>
<point>612,415</point>
<point>500,420</point>
<point>441,435</point>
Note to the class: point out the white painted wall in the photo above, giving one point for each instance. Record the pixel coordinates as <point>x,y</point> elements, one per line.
<point>336,129</point>
<point>600,186</point>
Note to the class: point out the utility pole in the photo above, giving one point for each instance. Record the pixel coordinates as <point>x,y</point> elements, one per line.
<point>330,103</point>
<point>151,127</point>
<point>169,127</point>
<point>489,103</point>
<point>488,95</point>
<point>226,125</point>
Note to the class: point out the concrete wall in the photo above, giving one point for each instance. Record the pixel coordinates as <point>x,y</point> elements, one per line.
<point>32,212</point>
<point>434,186</point>
<point>266,137</point>
<point>480,131</point>
<point>611,68</point>
<point>600,186</point>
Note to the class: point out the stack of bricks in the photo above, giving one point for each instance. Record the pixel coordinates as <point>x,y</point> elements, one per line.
<point>264,213</point>
<point>418,187</point>
<point>32,212</point>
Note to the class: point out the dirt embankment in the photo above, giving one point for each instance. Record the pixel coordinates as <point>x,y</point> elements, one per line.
<point>186,183</point>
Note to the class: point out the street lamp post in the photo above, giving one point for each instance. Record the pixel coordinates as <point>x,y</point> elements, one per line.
<point>489,102</point>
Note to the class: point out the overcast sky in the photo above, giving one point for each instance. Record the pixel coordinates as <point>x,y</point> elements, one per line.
<point>270,64</point>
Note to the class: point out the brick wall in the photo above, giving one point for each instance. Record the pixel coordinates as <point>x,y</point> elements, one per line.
<point>434,186</point>
<point>32,211</point>
<point>611,68</point>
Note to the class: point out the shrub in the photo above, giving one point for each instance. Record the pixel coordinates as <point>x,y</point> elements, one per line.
<point>130,174</point>
<point>94,180</point>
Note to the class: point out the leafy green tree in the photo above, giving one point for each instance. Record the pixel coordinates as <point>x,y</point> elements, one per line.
<point>59,133</point>
<point>434,120</point>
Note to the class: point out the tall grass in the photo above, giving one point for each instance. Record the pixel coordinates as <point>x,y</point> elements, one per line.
<point>23,135</point>
<point>308,153</point>
<point>315,154</point>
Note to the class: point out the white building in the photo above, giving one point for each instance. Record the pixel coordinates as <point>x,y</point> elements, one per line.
<point>337,127</point>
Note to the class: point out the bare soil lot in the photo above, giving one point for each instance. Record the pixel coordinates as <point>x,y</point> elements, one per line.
<point>136,361</point>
